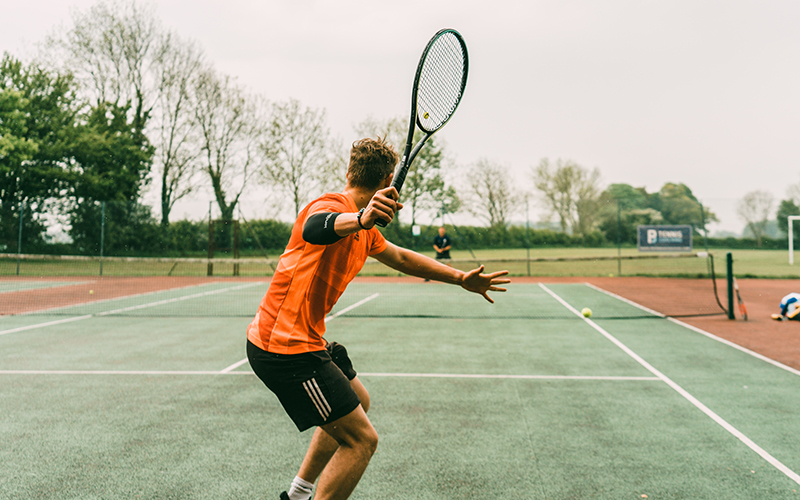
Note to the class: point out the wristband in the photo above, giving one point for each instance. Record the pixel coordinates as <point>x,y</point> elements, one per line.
<point>358,218</point>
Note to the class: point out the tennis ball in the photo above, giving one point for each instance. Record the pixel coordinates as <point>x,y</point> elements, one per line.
<point>91,292</point>
<point>587,313</point>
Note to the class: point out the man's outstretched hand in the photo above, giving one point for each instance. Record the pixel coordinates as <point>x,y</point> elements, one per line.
<point>475,281</point>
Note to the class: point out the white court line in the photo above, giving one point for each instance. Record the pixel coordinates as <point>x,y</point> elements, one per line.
<point>520,377</point>
<point>49,310</point>
<point>700,331</point>
<point>234,366</point>
<point>105,372</point>
<point>388,375</point>
<point>680,390</point>
<point>131,308</point>
<point>179,299</point>
<point>351,307</point>
<point>42,325</point>
<point>327,318</point>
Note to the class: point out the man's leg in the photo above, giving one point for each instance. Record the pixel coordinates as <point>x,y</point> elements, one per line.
<point>357,441</point>
<point>323,446</point>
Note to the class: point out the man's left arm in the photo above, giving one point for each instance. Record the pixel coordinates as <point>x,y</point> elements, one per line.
<point>409,262</point>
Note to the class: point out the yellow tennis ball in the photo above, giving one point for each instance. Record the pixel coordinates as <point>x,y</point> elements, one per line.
<point>91,292</point>
<point>587,313</point>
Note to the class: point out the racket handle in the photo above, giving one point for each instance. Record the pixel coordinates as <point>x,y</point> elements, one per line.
<point>397,183</point>
<point>400,178</point>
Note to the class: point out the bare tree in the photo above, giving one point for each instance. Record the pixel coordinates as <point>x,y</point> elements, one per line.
<point>299,155</point>
<point>491,193</point>
<point>111,49</point>
<point>230,123</point>
<point>569,191</point>
<point>793,193</point>
<point>755,209</point>
<point>176,127</point>
<point>120,53</point>
<point>587,204</point>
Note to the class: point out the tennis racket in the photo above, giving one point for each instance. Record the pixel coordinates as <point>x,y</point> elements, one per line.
<point>438,87</point>
<point>742,308</point>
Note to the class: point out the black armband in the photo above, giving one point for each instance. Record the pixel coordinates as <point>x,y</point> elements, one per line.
<point>318,229</point>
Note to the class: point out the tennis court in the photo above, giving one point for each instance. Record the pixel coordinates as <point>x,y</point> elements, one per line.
<point>147,395</point>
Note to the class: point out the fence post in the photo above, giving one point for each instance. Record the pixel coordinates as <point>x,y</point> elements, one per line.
<point>528,235</point>
<point>619,239</point>
<point>19,239</point>
<point>102,233</point>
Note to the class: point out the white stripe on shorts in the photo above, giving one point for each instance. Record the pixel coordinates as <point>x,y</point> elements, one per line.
<point>317,398</point>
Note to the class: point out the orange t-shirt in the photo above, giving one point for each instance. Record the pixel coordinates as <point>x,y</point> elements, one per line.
<point>308,282</point>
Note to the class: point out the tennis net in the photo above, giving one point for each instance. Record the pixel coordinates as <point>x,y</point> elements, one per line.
<point>74,286</point>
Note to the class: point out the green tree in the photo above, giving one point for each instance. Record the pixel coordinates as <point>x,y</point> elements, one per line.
<point>624,207</point>
<point>37,129</point>
<point>120,53</point>
<point>629,197</point>
<point>112,161</point>
<point>785,209</point>
<point>678,205</point>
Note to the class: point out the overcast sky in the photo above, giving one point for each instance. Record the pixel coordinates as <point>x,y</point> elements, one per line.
<point>700,92</point>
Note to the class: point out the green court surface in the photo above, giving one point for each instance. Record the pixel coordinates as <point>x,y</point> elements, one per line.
<point>524,399</point>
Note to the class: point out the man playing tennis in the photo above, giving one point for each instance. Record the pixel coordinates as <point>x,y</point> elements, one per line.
<point>315,381</point>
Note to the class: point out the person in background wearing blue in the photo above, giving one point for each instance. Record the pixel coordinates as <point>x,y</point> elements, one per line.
<point>790,308</point>
<point>441,244</point>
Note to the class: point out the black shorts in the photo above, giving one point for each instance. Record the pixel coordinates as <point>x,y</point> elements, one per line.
<point>314,388</point>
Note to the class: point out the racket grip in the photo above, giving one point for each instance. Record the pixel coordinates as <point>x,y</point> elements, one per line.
<point>399,179</point>
<point>397,183</point>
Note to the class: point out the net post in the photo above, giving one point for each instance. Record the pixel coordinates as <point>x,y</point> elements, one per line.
<point>729,259</point>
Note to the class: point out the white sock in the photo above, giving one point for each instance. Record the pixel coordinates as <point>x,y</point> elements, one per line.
<point>300,489</point>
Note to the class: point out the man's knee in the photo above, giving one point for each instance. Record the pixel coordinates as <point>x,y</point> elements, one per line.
<point>354,431</point>
<point>371,441</point>
<point>366,440</point>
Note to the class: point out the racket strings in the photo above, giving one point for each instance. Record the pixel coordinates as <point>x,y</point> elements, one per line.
<point>441,82</point>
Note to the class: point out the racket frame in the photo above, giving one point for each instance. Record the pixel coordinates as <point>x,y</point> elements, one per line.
<point>414,122</point>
